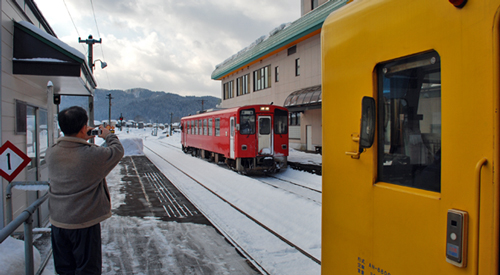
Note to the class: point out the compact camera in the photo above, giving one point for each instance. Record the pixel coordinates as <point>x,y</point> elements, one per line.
<point>94,132</point>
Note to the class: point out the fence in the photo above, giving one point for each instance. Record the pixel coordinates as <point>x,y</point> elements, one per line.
<point>26,218</point>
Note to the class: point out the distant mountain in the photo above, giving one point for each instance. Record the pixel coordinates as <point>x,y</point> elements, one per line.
<point>142,105</point>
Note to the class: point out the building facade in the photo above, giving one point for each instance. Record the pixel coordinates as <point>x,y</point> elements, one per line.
<point>36,69</point>
<point>283,69</point>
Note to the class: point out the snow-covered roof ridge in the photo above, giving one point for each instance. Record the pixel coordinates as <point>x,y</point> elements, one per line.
<point>53,40</point>
<point>255,43</point>
<point>278,38</point>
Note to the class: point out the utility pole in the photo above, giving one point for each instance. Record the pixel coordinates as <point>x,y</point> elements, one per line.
<point>202,101</point>
<point>171,124</point>
<point>109,121</point>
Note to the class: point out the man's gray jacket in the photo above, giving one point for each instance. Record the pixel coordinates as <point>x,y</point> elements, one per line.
<point>78,195</point>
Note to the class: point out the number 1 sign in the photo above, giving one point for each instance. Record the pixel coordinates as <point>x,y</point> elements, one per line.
<point>12,161</point>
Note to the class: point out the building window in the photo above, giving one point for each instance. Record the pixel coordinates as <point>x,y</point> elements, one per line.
<point>21,117</point>
<point>261,78</point>
<point>242,84</point>
<point>294,119</point>
<point>209,126</point>
<point>217,127</point>
<point>297,67</point>
<point>292,50</point>
<point>277,74</point>
<point>314,4</point>
<point>228,89</point>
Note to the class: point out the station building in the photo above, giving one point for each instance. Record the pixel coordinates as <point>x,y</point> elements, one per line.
<point>283,68</point>
<point>35,67</point>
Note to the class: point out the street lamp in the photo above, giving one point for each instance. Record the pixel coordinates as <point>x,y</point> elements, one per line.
<point>103,64</point>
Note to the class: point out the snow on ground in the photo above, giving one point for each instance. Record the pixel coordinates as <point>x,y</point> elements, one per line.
<point>295,218</point>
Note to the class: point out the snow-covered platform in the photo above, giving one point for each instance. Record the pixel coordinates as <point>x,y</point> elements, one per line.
<point>156,230</point>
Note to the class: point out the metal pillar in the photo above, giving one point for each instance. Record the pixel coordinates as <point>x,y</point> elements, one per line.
<point>90,41</point>
<point>109,120</point>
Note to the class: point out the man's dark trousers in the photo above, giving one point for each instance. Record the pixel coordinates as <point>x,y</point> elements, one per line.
<point>77,251</point>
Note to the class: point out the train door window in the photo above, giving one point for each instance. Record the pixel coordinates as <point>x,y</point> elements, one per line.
<point>191,131</point>
<point>409,121</point>
<point>217,127</point>
<point>231,130</point>
<point>205,129</point>
<point>247,122</point>
<point>280,122</point>
<point>196,127</point>
<point>200,127</point>
<point>210,126</point>
<point>264,125</point>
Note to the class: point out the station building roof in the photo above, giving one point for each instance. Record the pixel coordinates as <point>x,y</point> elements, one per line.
<point>307,26</point>
<point>41,56</point>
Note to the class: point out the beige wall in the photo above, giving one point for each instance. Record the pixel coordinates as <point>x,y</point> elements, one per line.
<point>306,5</point>
<point>312,118</point>
<point>310,75</point>
<point>309,52</point>
<point>32,90</point>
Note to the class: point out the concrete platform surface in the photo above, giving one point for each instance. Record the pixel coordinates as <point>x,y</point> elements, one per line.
<point>156,230</point>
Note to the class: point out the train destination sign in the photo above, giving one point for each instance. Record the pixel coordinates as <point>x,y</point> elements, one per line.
<point>12,161</point>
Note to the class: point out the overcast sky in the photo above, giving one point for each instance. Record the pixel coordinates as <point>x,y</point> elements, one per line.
<point>165,45</point>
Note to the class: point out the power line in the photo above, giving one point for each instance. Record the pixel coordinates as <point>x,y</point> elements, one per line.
<point>99,34</point>
<point>74,25</point>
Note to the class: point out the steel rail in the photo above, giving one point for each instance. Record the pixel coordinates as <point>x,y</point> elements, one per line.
<point>305,253</point>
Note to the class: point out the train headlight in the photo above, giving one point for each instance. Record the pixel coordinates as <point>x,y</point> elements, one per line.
<point>458,3</point>
<point>264,108</point>
<point>243,147</point>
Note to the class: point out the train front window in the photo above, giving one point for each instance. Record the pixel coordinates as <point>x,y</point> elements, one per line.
<point>409,122</point>
<point>280,121</point>
<point>247,122</point>
<point>264,126</point>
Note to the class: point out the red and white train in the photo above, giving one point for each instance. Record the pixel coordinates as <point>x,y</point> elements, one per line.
<point>248,138</point>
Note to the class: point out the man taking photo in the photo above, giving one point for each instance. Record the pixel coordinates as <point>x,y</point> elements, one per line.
<point>79,197</point>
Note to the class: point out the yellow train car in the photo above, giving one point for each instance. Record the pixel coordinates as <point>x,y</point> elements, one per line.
<point>411,137</point>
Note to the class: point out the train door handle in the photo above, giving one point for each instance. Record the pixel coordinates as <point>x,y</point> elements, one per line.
<point>354,155</point>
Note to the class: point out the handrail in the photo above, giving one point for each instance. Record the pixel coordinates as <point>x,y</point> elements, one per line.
<point>25,217</point>
<point>482,162</point>
<point>8,195</point>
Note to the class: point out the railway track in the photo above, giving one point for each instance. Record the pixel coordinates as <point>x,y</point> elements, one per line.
<point>242,212</point>
<point>292,187</point>
<point>276,182</point>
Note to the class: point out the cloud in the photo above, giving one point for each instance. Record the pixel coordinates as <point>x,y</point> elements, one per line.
<point>165,45</point>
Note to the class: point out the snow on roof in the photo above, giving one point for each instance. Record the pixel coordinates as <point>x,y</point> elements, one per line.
<point>255,43</point>
<point>40,59</point>
<point>53,40</point>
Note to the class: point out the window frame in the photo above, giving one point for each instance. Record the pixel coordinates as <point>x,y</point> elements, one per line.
<point>217,127</point>
<point>297,67</point>
<point>262,78</point>
<point>405,152</point>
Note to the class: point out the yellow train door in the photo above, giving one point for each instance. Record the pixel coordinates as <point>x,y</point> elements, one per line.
<point>414,190</point>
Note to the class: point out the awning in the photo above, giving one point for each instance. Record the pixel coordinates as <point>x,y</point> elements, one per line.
<point>43,56</point>
<point>308,98</point>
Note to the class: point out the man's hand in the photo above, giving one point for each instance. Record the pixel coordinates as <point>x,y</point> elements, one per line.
<point>104,132</point>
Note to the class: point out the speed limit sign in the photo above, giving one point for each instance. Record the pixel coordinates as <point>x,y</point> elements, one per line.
<point>12,161</point>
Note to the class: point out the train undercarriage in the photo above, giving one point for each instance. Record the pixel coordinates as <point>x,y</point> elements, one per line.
<point>264,163</point>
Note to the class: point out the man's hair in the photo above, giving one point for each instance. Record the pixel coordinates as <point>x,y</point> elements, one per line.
<point>72,119</point>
